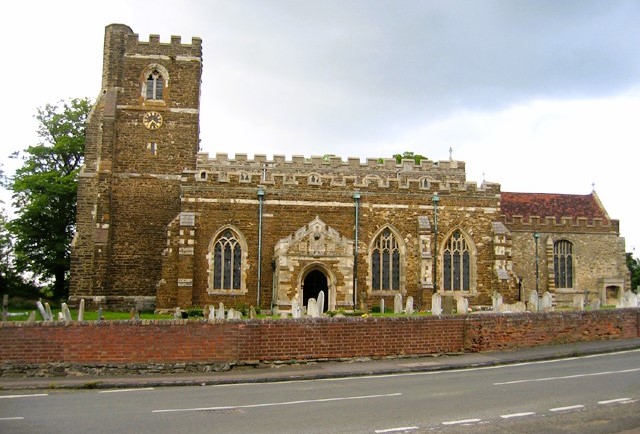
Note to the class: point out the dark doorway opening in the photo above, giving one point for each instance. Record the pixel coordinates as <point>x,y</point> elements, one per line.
<point>313,283</point>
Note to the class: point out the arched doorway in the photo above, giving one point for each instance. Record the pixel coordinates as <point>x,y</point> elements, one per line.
<point>314,282</point>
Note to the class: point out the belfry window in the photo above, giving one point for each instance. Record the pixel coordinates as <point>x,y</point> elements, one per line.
<point>563,264</point>
<point>227,261</point>
<point>155,85</point>
<point>456,264</point>
<point>385,262</point>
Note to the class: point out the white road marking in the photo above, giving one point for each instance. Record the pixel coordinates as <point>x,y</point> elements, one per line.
<point>126,390</point>
<point>12,418</point>
<point>509,416</point>
<point>274,404</point>
<point>611,401</point>
<point>459,422</point>
<point>402,428</point>
<point>23,396</point>
<point>566,377</point>
<point>571,407</point>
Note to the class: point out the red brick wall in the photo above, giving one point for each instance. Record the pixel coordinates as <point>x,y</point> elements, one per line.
<point>331,338</point>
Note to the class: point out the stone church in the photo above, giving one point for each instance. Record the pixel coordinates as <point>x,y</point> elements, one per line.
<point>160,224</point>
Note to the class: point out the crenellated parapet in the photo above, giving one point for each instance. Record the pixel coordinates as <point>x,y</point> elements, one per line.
<point>152,47</point>
<point>553,224</point>
<point>428,175</point>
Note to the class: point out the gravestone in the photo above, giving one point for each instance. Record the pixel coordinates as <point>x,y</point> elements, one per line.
<point>595,304</point>
<point>66,313</point>
<point>320,303</point>
<point>60,317</point>
<point>231,313</point>
<point>447,304</point>
<point>212,313</point>
<point>409,306</point>
<point>43,312</point>
<point>295,308</point>
<point>436,304</point>
<point>496,300</point>
<point>578,302</point>
<point>546,303</point>
<point>382,305</point>
<point>533,301</point>
<point>5,307</point>
<point>462,306</point>
<point>81,310</point>
<point>32,316</point>
<point>177,313</point>
<point>312,308</point>
<point>220,312</point>
<point>252,312</point>
<point>630,299</point>
<point>205,311</point>
<point>397,303</point>
<point>47,308</point>
<point>132,313</point>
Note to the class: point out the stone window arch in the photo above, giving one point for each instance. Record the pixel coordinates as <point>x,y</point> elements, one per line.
<point>227,259</point>
<point>155,83</point>
<point>458,263</point>
<point>387,262</point>
<point>563,263</point>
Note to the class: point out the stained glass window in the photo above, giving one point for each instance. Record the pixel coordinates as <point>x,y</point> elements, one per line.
<point>563,264</point>
<point>227,261</point>
<point>456,264</point>
<point>385,262</point>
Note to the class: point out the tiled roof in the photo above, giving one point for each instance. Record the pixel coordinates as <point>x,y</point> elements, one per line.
<point>552,205</point>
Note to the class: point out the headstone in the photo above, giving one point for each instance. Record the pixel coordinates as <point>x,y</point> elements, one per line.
<point>447,304</point>
<point>595,304</point>
<point>231,313</point>
<point>295,308</point>
<point>496,300</point>
<point>462,306</point>
<point>5,307</point>
<point>81,310</point>
<point>312,308</point>
<point>43,312</point>
<point>252,312</point>
<point>211,315</point>
<point>66,313</point>
<point>47,308</point>
<point>32,316</point>
<point>382,305</point>
<point>205,311</point>
<point>320,303</point>
<point>100,318</point>
<point>409,306</point>
<point>578,302</point>
<point>631,299</point>
<point>519,306</point>
<point>177,314</point>
<point>397,303</point>
<point>436,304</point>
<point>60,316</point>
<point>220,312</point>
<point>533,301</point>
<point>546,303</point>
<point>132,313</point>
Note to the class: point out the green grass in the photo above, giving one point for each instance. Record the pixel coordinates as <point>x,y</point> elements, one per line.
<point>88,315</point>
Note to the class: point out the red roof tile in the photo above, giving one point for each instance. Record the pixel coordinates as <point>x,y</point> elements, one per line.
<point>552,205</point>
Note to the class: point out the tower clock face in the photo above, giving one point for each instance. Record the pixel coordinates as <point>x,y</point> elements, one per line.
<point>152,120</point>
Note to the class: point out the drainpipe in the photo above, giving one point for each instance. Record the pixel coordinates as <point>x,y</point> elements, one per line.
<point>260,201</point>
<point>356,198</point>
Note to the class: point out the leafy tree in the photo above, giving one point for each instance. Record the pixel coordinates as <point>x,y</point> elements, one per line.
<point>44,194</point>
<point>634,267</point>
<point>409,155</point>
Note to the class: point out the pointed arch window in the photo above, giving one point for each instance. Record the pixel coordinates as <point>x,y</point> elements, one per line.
<point>227,261</point>
<point>563,263</point>
<point>385,262</point>
<point>456,265</point>
<point>155,85</point>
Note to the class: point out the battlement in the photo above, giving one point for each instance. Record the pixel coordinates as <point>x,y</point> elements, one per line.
<point>551,223</point>
<point>154,47</point>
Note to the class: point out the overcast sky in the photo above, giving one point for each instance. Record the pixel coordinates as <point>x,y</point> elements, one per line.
<point>539,96</point>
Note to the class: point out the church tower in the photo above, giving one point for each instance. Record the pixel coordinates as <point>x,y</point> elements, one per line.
<point>141,134</point>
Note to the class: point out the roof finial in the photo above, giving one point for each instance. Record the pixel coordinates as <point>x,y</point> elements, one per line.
<point>593,187</point>
<point>483,177</point>
<point>450,154</point>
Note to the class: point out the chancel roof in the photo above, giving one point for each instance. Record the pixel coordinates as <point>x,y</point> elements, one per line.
<point>552,205</point>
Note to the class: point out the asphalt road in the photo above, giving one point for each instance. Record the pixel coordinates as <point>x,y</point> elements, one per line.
<point>598,393</point>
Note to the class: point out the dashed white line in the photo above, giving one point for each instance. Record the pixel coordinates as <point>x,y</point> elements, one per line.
<point>399,429</point>
<point>612,401</point>
<point>460,422</point>
<point>509,416</point>
<point>12,418</point>
<point>23,396</point>
<point>126,390</point>
<point>274,404</point>
<point>571,407</point>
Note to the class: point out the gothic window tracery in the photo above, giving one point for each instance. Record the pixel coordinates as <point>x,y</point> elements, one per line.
<point>456,258</point>
<point>563,264</point>
<point>385,262</point>
<point>226,261</point>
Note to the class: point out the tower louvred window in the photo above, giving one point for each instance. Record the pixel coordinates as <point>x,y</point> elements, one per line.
<point>155,86</point>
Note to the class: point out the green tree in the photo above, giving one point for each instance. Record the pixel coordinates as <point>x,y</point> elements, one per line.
<point>634,267</point>
<point>44,194</point>
<point>409,155</point>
